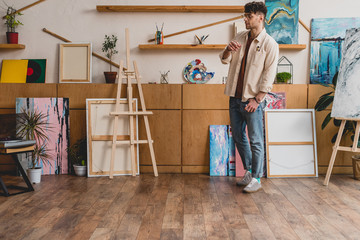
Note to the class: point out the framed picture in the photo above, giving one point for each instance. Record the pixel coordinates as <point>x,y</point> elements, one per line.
<point>100,134</point>
<point>291,143</point>
<point>75,63</point>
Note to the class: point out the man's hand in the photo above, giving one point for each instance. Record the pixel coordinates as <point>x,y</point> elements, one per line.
<point>252,105</point>
<point>233,46</point>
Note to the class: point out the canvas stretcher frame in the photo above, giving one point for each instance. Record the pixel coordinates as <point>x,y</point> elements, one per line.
<point>100,140</point>
<point>75,62</point>
<point>291,143</point>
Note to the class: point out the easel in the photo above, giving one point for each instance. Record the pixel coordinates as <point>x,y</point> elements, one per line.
<point>337,146</point>
<point>129,75</point>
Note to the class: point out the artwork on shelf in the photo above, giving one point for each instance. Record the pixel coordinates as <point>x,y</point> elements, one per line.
<point>100,131</point>
<point>14,71</point>
<point>75,63</point>
<point>195,72</point>
<point>282,20</point>
<point>58,129</point>
<point>239,27</point>
<point>347,93</point>
<point>327,37</point>
<point>36,71</point>
<point>275,100</point>
<point>219,150</point>
<point>291,143</point>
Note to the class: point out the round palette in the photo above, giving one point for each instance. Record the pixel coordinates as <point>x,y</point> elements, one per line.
<point>195,72</point>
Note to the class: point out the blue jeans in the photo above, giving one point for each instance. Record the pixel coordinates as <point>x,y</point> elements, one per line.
<point>252,157</point>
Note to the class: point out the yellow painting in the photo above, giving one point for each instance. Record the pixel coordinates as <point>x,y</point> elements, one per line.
<point>14,71</point>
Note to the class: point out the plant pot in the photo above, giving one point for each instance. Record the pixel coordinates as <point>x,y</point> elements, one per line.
<point>110,77</point>
<point>34,175</point>
<point>356,166</point>
<point>80,170</point>
<point>12,37</point>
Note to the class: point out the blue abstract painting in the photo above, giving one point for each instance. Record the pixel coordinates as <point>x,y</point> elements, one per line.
<point>219,150</point>
<point>232,166</point>
<point>282,20</point>
<point>347,92</point>
<point>327,37</point>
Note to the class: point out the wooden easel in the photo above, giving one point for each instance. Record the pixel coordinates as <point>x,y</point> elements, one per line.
<point>129,75</point>
<point>337,146</point>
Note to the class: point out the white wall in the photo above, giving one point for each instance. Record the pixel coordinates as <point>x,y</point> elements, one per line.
<point>78,21</point>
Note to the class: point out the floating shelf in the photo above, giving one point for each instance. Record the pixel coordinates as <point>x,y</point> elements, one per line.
<point>203,9</point>
<point>292,46</point>
<point>12,46</point>
<point>211,46</point>
<point>182,46</point>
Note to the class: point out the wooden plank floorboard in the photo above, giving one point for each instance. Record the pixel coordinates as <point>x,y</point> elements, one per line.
<point>181,206</point>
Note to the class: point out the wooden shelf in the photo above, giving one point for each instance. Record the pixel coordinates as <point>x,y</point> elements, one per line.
<point>203,9</point>
<point>182,46</point>
<point>292,46</point>
<point>211,46</point>
<point>12,46</point>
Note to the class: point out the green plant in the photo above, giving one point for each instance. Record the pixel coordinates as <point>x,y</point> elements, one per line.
<point>109,46</point>
<point>31,125</point>
<point>325,101</point>
<point>283,77</point>
<point>10,19</point>
<point>78,152</point>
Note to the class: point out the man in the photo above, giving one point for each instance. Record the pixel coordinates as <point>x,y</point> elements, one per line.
<point>253,57</point>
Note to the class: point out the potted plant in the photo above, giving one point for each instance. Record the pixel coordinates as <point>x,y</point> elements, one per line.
<point>11,23</point>
<point>108,47</point>
<point>31,125</point>
<point>78,156</point>
<point>350,126</point>
<point>283,77</point>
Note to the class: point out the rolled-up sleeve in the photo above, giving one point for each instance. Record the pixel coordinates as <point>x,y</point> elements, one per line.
<point>225,60</point>
<point>270,66</point>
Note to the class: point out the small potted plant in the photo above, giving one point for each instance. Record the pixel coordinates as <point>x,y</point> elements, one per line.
<point>78,156</point>
<point>11,23</point>
<point>108,47</point>
<point>31,125</point>
<point>283,77</point>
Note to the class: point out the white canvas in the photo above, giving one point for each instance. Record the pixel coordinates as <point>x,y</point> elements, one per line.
<point>347,93</point>
<point>99,125</point>
<point>291,143</point>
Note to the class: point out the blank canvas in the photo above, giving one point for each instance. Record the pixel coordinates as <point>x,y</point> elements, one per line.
<point>291,143</point>
<point>75,63</point>
<point>99,135</point>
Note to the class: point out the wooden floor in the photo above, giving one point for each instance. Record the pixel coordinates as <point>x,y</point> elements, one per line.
<point>176,206</point>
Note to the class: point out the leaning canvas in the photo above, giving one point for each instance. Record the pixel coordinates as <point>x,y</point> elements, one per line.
<point>282,20</point>
<point>347,93</point>
<point>58,129</point>
<point>219,150</point>
<point>327,37</point>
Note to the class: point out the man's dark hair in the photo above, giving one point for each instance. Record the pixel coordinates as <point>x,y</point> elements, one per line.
<point>256,7</point>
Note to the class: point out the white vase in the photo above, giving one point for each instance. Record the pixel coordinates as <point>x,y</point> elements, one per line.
<point>34,175</point>
<point>80,170</point>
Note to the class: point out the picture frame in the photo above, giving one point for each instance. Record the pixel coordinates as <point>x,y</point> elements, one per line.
<point>100,134</point>
<point>291,143</point>
<point>75,63</point>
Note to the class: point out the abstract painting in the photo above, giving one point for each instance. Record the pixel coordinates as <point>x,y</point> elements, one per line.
<point>219,150</point>
<point>327,37</point>
<point>58,130</point>
<point>232,163</point>
<point>14,71</point>
<point>36,71</point>
<point>347,92</point>
<point>282,20</point>
<point>275,100</point>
